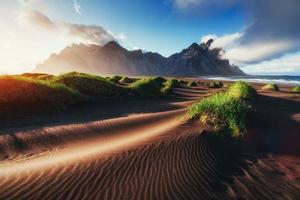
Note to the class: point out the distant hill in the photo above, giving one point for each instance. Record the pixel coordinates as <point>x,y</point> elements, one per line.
<point>113,59</point>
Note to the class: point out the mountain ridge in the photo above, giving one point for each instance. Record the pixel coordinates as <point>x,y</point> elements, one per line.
<point>113,59</point>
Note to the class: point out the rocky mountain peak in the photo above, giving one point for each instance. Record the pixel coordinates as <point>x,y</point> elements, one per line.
<point>112,45</point>
<point>112,58</point>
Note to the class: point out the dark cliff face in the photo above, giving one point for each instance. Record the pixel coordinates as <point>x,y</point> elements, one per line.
<point>113,59</point>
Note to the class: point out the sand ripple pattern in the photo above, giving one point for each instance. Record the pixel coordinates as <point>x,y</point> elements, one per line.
<point>180,163</point>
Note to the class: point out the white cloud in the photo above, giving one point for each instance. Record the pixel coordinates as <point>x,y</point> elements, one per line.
<point>256,52</point>
<point>243,54</point>
<point>121,37</point>
<point>35,36</point>
<point>272,28</point>
<point>253,58</point>
<point>288,64</point>
<point>31,17</point>
<point>29,1</point>
<point>183,4</point>
<point>134,48</point>
<point>77,7</point>
<point>91,34</point>
<point>202,5</point>
<point>88,33</point>
<point>225,41</point>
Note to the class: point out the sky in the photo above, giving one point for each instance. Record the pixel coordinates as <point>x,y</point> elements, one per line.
<point>262,37</point>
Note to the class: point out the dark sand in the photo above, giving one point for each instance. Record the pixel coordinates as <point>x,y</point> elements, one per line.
<point>142,150</point>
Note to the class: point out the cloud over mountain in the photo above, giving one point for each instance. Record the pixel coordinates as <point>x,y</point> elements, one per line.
<point>272,29</point>
<point>91,34</point>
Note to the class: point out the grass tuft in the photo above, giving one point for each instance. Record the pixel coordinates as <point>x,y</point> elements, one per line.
<point>114,79</point>
<point>183,82</point>
<point>148,87</point>
<point>217,84</point>
<point>270,86</point>
<point>127,80</point>
<point>225,110</point>
<point>168,86</point>
<point>192,84</point>
<point>241,89</point>
<point>296,89</point>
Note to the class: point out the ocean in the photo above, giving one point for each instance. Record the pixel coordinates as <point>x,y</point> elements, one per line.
<point>286,80</point>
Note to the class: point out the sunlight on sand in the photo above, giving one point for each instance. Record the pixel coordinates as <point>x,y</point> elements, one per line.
<point>85,150</point>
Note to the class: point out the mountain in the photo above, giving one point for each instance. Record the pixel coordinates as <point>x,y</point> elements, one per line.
<point>113,59</point>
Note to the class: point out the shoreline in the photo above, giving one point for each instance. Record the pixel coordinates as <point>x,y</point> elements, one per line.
<point>280,80</point>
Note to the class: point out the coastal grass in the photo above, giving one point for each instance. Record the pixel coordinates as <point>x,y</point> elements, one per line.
<point>270,86</point>
<point>148,87</point>
<point>114,79</point>
<point>91,85</point>
<point>217,84</point>
<point>127,80</point>
<point>241,90</point>
<point>192,84</point>
<point>38,76</point>
<point>183,82</point>
<point>295,89</point>
<point>43,92</point>
<point>225,110</point>
<point>168,86</point>
<point>19,92</point>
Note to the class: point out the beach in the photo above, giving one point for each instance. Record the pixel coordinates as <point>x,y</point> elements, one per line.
<point>145,149</point>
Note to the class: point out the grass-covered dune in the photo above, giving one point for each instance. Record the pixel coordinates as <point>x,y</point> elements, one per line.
<point>114,79</point>
<point>225,110</point>
<point>91,85</point>
<point>242,90</point>
<point>168,86</point>
<point>270,86</point>
<point>192,84</point>
<point>39,76</point>
<point>148,87</point>
<point>39,92</point>
<point>127,80</point>
<point>19,93</point>
<point>295,89</point>
<point>216,84</point>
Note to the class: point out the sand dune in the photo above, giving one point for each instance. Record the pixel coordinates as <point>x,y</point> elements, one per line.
<point>141,156</point>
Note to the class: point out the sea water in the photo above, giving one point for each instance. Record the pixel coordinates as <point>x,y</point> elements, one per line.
<point>286,80</point>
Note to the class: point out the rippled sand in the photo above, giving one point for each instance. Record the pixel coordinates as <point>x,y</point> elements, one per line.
<point>142,156</point>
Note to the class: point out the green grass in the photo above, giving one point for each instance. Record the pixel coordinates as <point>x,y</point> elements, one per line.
<point>18,92</point>
<point>148,87</point>
<point>270,86</point>
<point>41,92</point>
<point>296,89</point>
<point>38,76</point>
<point>114,79</point>
<point>91,85</point>
<point>168,86</point>
<point>41,84</point>
<point>183,82</point>
<point>127,80</point>
<point>192,84</point>
<point>225,110</point>
<point>241,89</point>
<point>216,84</point>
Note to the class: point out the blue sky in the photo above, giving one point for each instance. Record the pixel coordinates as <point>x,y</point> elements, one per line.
<point>155,25</point>
<point>260,38</point>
